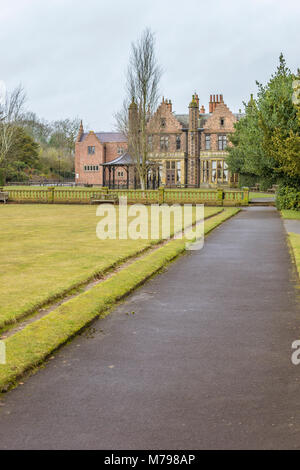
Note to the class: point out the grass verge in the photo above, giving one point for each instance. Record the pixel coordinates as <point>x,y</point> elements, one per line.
<point>294,240</point>
<point>290,214</point>
<point>29,347</point>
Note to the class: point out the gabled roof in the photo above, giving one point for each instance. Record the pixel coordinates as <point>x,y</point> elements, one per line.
<point>183,119</point>
<point>107,137</point>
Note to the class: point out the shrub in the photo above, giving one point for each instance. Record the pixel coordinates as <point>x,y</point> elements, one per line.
<point>288,198</point>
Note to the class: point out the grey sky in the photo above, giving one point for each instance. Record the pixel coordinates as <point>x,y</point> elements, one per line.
<point>71,55</point>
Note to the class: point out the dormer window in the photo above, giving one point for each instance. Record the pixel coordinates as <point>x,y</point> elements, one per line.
<point>163,122</point>
<point>91,149</point>
<point>178,142</point>
<point>222,122</point>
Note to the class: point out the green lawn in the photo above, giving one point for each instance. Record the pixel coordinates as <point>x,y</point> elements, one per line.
<point>290,214</point>
<point>255,195</point>
<point>46,250</point>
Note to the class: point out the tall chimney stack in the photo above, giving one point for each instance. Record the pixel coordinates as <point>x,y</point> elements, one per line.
<point>210,104</point>
<point>80,132</point>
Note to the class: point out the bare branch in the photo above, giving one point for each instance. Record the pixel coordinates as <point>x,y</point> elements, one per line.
<point>11,108</point>
<point>142,90</point>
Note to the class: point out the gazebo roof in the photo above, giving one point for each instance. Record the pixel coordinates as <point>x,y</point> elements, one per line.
<point>124,159</point>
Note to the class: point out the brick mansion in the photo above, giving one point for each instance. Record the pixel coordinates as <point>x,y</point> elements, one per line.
<point>187,150</point>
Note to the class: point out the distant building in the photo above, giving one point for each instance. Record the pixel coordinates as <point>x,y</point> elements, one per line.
<point>186,149</point>
<point>92,149</point>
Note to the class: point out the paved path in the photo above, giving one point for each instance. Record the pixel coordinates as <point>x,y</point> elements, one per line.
<point>203,363</point>
<point>292,225</point>
<point>263,199</point>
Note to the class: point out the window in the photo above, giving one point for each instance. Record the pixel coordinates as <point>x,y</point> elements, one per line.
<point>91,149</point>
<point>178,142</point>
<point>91,167</point>
<point>164,143</point>
<point>163,122</point>
<point>120,173</point>
<point>205,171</point>
<point>222,122</point>
<point>207,142</point>
<point>219,173</point>
<point>120,151</point>
<point>178,172</point>
<point>222,142</point>
<point>225,172</point>
<point>214,171</point>
<point>150,142</point>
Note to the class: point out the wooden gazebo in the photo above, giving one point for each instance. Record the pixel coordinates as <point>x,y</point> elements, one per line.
<point>125,161</point>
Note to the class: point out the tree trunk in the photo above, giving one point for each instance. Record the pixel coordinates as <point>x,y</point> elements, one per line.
<point>2,177</point>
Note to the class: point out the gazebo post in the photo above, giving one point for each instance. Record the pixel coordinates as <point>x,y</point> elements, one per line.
<point>113,170</point>
<point>127,168</point>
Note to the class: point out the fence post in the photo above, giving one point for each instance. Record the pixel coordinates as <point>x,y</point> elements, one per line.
<point>245,196</point>
<point>161,195</point>
<point>50,195</point>
<point>220,193</point>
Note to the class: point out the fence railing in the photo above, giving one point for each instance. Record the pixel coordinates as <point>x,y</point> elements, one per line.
<point>58,195</point>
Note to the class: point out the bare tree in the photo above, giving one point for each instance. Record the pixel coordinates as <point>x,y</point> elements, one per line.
<point>11,107</point>
<point>143,76</point>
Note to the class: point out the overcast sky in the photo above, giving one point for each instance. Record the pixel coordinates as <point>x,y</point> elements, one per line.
<point>71,55</point>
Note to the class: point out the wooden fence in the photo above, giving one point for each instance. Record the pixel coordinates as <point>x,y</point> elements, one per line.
<point>58,195</point>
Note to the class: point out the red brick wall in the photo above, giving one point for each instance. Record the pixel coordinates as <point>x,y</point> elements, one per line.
<point>103,153</point>
<point>172,128</point>
<point>214,128</point>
